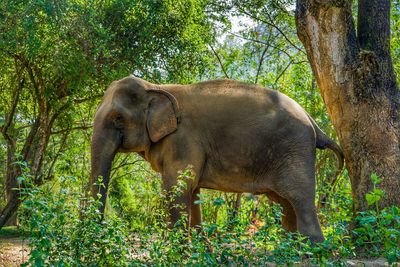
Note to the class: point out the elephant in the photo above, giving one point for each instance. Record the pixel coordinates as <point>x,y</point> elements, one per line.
<point>237,137</point>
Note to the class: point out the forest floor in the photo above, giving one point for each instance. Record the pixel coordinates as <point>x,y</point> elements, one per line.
<point>14,251</point>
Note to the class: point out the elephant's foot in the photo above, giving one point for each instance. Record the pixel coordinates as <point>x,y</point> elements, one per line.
<point>307,221</point>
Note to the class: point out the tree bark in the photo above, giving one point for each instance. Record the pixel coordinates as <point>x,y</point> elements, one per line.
<point>10,178</point>
<point>234,202</point>
<point>356,79</point>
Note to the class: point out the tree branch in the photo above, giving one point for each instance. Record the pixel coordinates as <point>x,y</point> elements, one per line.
<point>263,43</point>
<point>66,130</point>
<point>15,97</point>
<point>125,164</point>
<point>287,66</point>
<point>62,146</point>
<point>220,62</point>
<point>33,80</point>
<point>272,24</point>
<point>29,140</point>
<point>10,115</point>
<point>262,55</point>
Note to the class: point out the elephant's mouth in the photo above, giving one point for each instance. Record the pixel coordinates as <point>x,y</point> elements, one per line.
<point>124,148</point>
<point>121,147</point>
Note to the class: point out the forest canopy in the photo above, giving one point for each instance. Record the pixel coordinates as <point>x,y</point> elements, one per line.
<point>59,57</point>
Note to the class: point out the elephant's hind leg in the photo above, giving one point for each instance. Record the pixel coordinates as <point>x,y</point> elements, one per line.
<point>307,219</point>
<point>306,216</point>
<point>289,221</point>
<point>297,186</point>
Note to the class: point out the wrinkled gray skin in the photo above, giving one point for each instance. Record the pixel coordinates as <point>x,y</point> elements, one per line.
<point>238,138</point>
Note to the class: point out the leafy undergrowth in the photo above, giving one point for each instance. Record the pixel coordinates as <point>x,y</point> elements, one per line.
<point>235,243</point>
<point>11,231</point>
<point>64,232</point>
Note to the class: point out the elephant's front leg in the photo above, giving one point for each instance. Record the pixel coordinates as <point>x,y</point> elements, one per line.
<point>181,195</point>
<point>195,211</point>
<point>182,167</point>
<point>178,206</point>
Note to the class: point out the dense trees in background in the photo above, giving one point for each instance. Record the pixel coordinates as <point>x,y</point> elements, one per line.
<point>58,58</point>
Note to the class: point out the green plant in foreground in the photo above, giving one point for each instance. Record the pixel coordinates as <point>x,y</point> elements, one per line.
<point>65,233</point>
<point>378,231</point>
<point>222,244</point>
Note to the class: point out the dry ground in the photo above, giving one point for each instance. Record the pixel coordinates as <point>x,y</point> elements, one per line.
<point>14,251</point>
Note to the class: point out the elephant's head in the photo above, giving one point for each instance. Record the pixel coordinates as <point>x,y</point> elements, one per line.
<point>133,115</point>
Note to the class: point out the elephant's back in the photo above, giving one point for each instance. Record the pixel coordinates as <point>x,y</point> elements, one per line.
<point>221,102</point>
<point>245,130</point>
<point>234,117</point>
<point>223,96</point>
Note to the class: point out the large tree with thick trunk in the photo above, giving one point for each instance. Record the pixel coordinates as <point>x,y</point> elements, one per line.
<point>355,74</point>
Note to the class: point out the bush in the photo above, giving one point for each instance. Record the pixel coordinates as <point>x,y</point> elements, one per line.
<point>234,242</point>
<point>64,232</point>
<point>378,231</point>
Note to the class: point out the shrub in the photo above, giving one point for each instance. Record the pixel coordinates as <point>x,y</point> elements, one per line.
<point>63,232</point>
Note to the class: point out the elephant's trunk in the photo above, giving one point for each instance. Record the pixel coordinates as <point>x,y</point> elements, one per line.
<point>105,143</point>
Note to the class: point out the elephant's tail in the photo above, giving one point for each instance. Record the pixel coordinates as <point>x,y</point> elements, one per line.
<point>323,142</point>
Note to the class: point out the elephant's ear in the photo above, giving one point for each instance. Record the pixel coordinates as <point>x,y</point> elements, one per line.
<point>162,118</point>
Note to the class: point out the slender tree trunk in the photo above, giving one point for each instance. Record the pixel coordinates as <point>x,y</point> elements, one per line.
<point>357,82</point>
<point>33,154</point>
<point>10,137</point>
<point>234,203</point>
<point>8,214</point>
<point>11,172</point>
<point>33,150</point>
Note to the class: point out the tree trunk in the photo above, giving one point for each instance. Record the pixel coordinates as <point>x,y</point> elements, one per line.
<point>11,184</point>
<point>32,153</point>
<point>357,82</point>
<point>234,202</point>
<point>34,148</point>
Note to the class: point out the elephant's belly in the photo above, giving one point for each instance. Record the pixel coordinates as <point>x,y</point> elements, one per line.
<point>250,170</point>
<point>234,182</point>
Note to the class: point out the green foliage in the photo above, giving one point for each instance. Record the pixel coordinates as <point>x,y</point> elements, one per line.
<point>134,193</point>
<point>64,232</point>
<point>11,231</point>
<point>376,194</point>
<point>67,52</point>
<point>377,234</point>
<point>378,231</point>
<point>219,243</point>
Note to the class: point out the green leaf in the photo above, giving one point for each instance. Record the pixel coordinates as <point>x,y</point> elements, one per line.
<point>375,179</point>
<point>374,196</point>
<point>198,202</point>
<point>219,201</point>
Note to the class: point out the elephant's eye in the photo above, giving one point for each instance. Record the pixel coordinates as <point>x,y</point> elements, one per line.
<point>118,121</point>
